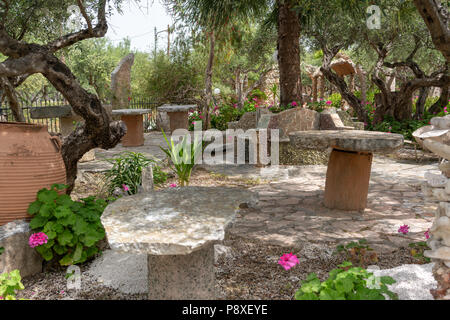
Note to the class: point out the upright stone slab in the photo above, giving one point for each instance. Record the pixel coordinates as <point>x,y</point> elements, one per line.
<point>177,228</point>
<point>121,83</point>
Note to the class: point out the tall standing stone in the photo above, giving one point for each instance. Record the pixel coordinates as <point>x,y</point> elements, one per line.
<point>121,83</point>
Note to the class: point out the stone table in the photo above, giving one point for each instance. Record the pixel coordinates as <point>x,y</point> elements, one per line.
<point>178,115</point>
<point>349,165</point>
<point>133,118</point>
<point>177,229</point>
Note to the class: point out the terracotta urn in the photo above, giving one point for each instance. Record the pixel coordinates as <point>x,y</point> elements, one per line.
<point>30,159</point>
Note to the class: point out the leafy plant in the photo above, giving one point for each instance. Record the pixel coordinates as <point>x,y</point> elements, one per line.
<point>2,250</point>
<point>159,176</point>
<point>417,250</point>
<point>9,284</point>
<point>127,170</point>
<point>359,253</point>
<point>183,157</point>
<point>73,228</point>
<point>346,283</point>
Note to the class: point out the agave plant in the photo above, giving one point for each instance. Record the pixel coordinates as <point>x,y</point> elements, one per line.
<point>182,156</point>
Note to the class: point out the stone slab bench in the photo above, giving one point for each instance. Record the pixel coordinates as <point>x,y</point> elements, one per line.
<point>177,228</point>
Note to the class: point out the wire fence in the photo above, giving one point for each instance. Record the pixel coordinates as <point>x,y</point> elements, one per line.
<point>54,125</point>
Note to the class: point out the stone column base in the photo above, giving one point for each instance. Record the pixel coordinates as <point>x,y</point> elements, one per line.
<point>178,120</point>
<point>347,182</point>
<point>182,277</point>
<point>135,130</point>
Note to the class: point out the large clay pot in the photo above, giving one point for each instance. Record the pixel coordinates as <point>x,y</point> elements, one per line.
<point>30,159</point>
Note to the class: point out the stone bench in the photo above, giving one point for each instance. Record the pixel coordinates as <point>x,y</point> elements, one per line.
<point>177,228</point>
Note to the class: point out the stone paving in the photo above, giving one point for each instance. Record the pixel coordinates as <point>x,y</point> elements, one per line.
<point>291,208</point>
<point>291,203</point>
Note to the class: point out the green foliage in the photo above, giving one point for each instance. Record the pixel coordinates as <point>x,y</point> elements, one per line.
<point>179,79</point>
<point>417,250</point>
<point>127,170</point>
<point>346,283</point>
<point>227,113</point>
<point>336,100</point>
<point>258,94</point>
<point>2,250</point>
<point>183,156</point>
<point>9,284</point>
<point>159,176</point>
<point>406,127</point>
<point>359,253</point>
<point>73,228</point>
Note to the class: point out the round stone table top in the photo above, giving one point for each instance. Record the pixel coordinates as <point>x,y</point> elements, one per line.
<point>172,221</point>
<point>351,140</point>
<point>130,112</point>
<point>176,108</point>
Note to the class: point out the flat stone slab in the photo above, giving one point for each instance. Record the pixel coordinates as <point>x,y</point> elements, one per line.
<point>51,112</point>
<point>130,112</point>
<point>177,108</point>
<point>176,221</point>
<point>352,140</point>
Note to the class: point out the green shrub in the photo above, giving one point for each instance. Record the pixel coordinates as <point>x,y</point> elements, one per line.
<point>127,170</point>
<point>258,94</point>
<point>346,283</point>
<point>9,284</point>
<point>336,100</point>
<point>73,228</point>
<point>359,253</point>
<point>159,176</point>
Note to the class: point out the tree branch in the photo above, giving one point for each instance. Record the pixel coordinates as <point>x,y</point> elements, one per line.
<point>97,32</point>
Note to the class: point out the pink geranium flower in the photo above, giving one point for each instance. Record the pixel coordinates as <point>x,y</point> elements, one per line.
<point>403,229</point>
<point>288,260</point>
<point>125,188</point>
<point>173,185</point>
<point>329,102</point>
<point>294,104</point>
<point>37,239</point>
<point>427,234</point>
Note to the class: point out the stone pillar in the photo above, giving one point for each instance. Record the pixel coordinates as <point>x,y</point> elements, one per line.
<point>314,89</point>
<point>182,277</point>
<point>321,85</point>
<point>347,182</point>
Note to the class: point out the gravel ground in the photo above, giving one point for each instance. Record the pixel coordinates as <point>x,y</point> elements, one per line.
<point>249,272</point>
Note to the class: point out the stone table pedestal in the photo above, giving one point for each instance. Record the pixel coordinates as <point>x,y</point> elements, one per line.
<point>348,172</point>
<point>178,115</point>
<point>134,121</point>
<point>177,228</point>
